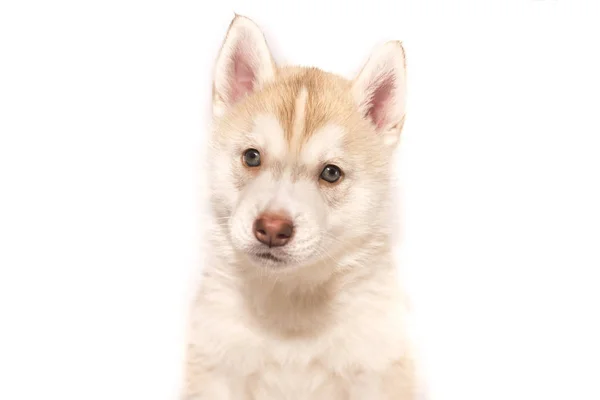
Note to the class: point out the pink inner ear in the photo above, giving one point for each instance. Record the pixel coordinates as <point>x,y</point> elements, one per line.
<point>242,76</point>
<point>380,100</point>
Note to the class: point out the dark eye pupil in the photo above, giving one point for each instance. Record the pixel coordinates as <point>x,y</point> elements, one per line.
<point>331,173</point>
<point>252,158</point>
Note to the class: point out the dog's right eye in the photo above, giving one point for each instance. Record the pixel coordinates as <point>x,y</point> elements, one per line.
<point>251,158</point>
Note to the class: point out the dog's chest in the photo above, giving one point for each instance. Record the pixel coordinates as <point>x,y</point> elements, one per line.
<point>293,382</point>
<point>258,366</point>
<point>255,360</point>
<point>298,371</point>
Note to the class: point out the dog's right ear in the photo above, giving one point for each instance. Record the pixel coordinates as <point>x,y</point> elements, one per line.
<point>243,65</point>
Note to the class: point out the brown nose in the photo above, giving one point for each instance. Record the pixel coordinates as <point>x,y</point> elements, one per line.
<point>274,230</point>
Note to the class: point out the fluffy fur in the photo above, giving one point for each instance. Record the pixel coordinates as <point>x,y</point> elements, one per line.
<point>326,321</point>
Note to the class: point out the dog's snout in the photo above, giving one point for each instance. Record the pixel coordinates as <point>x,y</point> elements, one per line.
<point>274,230</point>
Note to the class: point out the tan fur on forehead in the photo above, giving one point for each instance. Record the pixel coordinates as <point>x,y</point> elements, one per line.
<point>328,100</point>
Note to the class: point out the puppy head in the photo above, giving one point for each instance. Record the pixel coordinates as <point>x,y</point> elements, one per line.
<point>300,158</point>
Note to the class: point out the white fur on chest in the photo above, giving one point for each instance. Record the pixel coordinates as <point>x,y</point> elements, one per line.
<point>365,337</point>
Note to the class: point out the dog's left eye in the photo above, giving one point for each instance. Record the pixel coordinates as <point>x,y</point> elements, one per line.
<point>331,173</point>
<point>251,158</point>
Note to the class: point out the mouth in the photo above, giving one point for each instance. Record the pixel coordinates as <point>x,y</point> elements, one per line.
<point>269,257</point>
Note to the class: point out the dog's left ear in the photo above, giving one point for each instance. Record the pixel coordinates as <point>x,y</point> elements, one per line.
<point>380,90</point>
<point>243,65</point>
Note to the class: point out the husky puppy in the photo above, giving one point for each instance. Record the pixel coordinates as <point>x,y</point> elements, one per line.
<point>299,298</point>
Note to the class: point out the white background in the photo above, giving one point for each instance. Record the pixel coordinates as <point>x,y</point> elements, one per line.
<point>103,115</point>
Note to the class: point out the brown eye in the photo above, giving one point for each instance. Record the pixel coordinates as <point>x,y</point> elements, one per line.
<point>252,158</point>
<point>331,173</point>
